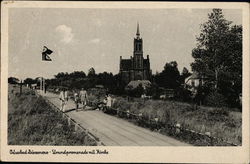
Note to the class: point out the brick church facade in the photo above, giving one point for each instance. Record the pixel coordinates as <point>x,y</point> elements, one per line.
<point>135,68</point>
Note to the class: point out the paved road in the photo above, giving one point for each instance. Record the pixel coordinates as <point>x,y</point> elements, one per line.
<point>113,131</point>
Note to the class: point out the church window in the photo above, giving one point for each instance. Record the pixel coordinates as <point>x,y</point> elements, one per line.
<point>139,47</point>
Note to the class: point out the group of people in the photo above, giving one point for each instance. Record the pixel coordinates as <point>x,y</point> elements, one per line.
<point>106,104</point>
<point>81,97</point>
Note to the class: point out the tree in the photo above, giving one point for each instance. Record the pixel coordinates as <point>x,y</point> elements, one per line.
<point>29,81</point>
<point>77,74</point>
<point>13,80</point>
<point>185,73</point>
<point>135,92</point>
<point>218,54</point>
<point>169,77</point>
<point>91,72</point>
<point>211,50</point>
<point>60,75</point>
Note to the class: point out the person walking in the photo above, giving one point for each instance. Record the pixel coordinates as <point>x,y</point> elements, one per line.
<point>104,104</point>
<point>109,102</point>
<point>76,99</point>
<point>62,99</point>
<point>83,96</point>
<point>66,96</point>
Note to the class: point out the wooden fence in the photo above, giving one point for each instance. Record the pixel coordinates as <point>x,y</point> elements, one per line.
<point>73,122</point>
<point>205,139</point>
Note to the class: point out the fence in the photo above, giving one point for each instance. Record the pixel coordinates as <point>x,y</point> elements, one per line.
<point>73,122</point>
<point>193,137</point>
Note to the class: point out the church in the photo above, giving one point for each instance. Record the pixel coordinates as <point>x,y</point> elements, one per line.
<point>135,68</point>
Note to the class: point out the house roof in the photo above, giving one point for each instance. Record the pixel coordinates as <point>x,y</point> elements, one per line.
<point>195,75</point>
<point>135,83</point>
<point>99,86</point>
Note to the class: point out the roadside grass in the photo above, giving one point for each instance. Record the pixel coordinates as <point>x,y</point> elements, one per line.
<point>31,121</point>
<point>220,122</point>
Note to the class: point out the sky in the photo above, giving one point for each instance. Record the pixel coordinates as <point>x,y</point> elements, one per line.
<point>83,38</point>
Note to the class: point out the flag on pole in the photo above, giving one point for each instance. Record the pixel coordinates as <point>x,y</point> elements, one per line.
<point>45,54</point>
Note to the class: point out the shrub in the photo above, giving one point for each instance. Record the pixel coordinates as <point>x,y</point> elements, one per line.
<point>135,92</point>
<point>221,122</point>
<point>215,99</point>
<point>33,122</point>
<point>183,94</point>
<point>218,114</point>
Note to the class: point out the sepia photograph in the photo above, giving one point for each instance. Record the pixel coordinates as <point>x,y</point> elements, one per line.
<point>129,76</point>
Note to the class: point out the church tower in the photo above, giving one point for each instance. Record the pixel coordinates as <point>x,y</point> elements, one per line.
<point>138,50</point>
<point>135,68</point>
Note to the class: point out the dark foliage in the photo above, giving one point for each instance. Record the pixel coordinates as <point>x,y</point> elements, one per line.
<point>218,56</point>
<point>169,77</point>
<point>13,80</point>
<point>33,122</point>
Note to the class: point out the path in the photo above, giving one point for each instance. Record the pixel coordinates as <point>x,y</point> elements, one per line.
<point>113,131</point>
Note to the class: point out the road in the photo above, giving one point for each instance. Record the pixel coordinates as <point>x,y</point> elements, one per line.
<point>113,131</point>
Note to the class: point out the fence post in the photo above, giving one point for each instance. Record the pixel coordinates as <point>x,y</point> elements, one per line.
<point>208,134</point>
<point>177,128</point>
<point>69,122</point>
<point>128,113</point>
<point>76,127</point>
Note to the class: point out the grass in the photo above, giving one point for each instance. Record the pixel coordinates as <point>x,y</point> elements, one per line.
<point>220,122</point>
<point>31,121</point>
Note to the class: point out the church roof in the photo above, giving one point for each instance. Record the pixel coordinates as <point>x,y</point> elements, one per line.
<point>126,64</point>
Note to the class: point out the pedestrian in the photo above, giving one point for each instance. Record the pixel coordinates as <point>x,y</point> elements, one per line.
<point>76,99</point>
<point>104,104</point>
<point>66,95</point>
<point>62,99</point>
<point>83,97</point>
<point>109,102</point>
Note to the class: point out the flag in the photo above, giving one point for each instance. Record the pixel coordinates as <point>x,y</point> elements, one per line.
<point>45,54</point>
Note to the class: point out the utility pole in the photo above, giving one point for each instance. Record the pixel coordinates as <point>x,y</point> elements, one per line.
<point>41,84</point>
<point>44,86</point>
<point>21,87</point>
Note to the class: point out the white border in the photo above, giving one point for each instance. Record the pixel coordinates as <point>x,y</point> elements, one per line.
<point>238,154</point>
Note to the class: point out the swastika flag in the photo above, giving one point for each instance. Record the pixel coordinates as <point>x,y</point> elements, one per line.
<point>45,54</point>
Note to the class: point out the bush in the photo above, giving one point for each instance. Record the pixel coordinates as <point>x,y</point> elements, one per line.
<point>33,122</point>
<point>215,99</point>
<point>135,92</point>
<point>183,94</point>
<point>218,114</point>
<point>221,122</point>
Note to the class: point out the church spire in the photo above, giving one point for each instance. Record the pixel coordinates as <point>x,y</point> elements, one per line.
<point>138,32</point>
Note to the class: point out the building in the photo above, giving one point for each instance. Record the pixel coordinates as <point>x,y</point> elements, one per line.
<point>194,81</point>
<point>135,68</point>
<point>135,83</point>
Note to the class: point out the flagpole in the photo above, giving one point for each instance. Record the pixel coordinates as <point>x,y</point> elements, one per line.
<point>41,84</point>
<point>44,85</point>
<point>45,57</point>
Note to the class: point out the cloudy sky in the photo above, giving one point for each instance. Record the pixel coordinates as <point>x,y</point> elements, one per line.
<point>84,38</point>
